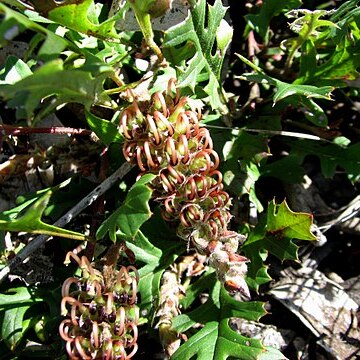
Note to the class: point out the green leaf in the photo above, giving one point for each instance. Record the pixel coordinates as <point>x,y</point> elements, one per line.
<point>126,221</point>
<point>332,156</point>
<point>31,222</point>
<point>243,154</point>
<point>285,89</point>
<point>12,330</point>
<point>65,86</point>
<point>15,70</point>
<point>106,131</point>
<point>157,252</point>
<point>80,16</point>
<point>274,235</point>
<point>333,54</point>
<point>281,220</point>
<point>210,42</point>
<point>18,23</point>
<point>294,92</point>
<point>216,340</point>
<point>19,295</point>
<point>269,8</point>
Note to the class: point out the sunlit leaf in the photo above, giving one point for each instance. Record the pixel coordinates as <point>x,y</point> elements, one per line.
<point>216,340</point>
<point>31,221</point>
<point>15,23</point>
<point>210,43</point>
<point>104,129</point>
<point>12,329</point>
<point>79,16</point>
<point>275,235</point>
<point>63,85</point>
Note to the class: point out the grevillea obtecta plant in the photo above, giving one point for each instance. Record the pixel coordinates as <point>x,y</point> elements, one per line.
<point>102,315</point>
<point>165,137</point>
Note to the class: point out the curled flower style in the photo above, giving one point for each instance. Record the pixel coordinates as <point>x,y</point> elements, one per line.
<point>165,137</point>
<point>101,318</point>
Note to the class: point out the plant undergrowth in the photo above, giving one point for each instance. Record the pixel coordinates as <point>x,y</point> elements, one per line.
<point>170,250</point>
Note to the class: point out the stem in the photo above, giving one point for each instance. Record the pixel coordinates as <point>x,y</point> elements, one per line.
<point>144,21</point>
<point>249,63</point>
<point>21,130</point>
<point>71,214</point>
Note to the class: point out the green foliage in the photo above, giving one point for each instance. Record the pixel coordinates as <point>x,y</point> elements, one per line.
<point>15,23</point>
<point>260,21</point>
<point>217,340</point>
<point>275,235</point>
<point>31,221</point>
<point>302,93</point>
<point>283,112</point>
<point>13,306</point>
<point>206,61</point>
<point>79,16</point>
<point>104,129</point>
<point>332,156</point>
<point>83,86</point>
<point>126,221</point>
<point>156,253</point>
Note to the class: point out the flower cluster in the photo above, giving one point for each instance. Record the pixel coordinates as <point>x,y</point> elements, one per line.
<point>102,318</point>
<point>165,137</point>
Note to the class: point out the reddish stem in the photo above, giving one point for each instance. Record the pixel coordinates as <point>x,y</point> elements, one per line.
<point>21,130</point>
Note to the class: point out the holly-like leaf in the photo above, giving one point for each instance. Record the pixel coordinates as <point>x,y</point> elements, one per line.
<point>79,15</point>
<point>295,93</point>
<point>216,340</point>
<point>210,43</point>
<point>274,235</point>
<point>126,221</point>
<point>31,221</point>
<point>292,225</point>
<point>106,131</point>
<point>63,86</point>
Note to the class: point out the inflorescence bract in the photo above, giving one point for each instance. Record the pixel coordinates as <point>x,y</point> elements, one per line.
<point>165,137</point>
<point>102,315</point>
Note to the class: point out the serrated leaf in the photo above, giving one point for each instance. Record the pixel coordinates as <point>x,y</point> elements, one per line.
<point>31,222</point>
<point>274,234</point>
<point>298,93</point>
<point>210,42</point>
<point>126,221</point>
<point>65,86</point>
<point>79,16</point>
<point>281,220</point>
<point>216,340</point>
<point>106,131</point>
<point>12,329</point>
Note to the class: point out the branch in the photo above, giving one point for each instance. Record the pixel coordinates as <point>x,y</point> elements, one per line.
<point>71,214</point>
